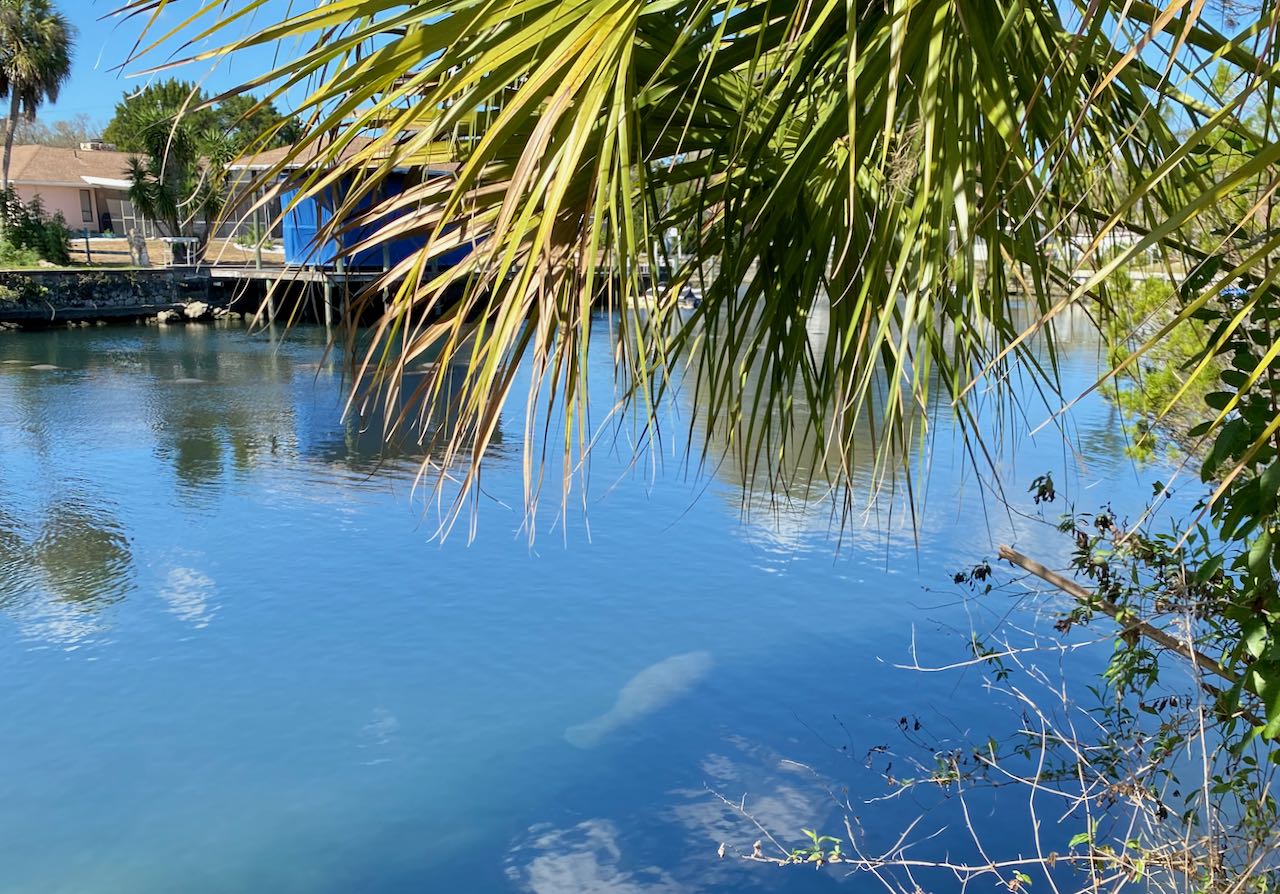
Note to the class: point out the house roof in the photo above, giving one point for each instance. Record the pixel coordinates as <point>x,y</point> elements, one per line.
<point>54,166</point>
<point>269,159</point>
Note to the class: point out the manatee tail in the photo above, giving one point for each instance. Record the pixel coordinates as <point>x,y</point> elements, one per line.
<point>586,735</point>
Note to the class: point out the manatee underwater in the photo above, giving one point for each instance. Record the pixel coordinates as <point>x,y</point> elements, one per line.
<point>649,691</point>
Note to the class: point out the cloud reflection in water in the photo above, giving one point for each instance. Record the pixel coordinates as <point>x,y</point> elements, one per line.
<point>189,594</point>
<point>583,859</point>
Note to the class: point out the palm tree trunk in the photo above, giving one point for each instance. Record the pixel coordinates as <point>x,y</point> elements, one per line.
<point>10,128</point>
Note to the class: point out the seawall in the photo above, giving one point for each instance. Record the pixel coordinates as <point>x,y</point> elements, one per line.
<point>54,297</point>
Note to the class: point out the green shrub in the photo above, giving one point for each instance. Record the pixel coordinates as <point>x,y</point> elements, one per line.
<point>255,234</point>
<point>13,256</point>
<point>27,228</point>
<point>1153,392</point>
<point>57,240</point>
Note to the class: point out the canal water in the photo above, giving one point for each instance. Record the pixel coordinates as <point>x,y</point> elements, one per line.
<point>235,656</point>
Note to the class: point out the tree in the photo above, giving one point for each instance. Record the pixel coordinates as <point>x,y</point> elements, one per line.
<point>36,42</point>
<point>142,119</point>
<point>252,123</point>
<point>159,105</point>
<point>66,133</point>
<point>861,160</point>
<point>179,175</point>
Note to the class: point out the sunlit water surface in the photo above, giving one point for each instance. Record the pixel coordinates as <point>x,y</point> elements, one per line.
<point>233,657</point>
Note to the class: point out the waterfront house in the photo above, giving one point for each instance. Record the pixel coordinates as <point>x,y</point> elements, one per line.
<point>89,186</point>
<point>303,220</point>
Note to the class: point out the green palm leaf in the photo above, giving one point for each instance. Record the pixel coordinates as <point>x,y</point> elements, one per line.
<point>36,41</point>
<point>875,194</point>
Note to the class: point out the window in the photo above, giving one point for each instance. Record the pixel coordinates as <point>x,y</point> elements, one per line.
<point>86,206</point>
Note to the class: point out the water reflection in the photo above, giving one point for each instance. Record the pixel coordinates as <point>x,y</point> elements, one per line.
<point>614,852</point>
<point>396,434</point>
<point>215,406</point>
<point>393,712</point>
<point>380,738</point>
<point>12,556</point>
<point>781,794</point>
<point>62,568</point>
<point>223,401</point>
<point>585,857</point>
<point>190,594</point>
<point>84,554</point>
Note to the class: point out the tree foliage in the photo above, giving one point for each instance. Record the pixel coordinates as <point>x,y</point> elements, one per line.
<point>64,133</point>
<point>29,229</point>
<point>901,172</point>
<point>856,161</point>
<point>141,120</point>
<point>36,44</point>
<point>183,146</point>
<point>1243,462</point>
<point>158,105</point>
<point>180,177</point>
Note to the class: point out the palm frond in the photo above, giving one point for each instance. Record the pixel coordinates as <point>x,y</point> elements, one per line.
<point>878,195</point>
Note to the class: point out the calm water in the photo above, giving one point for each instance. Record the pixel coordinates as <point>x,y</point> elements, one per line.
<point>233,657</point>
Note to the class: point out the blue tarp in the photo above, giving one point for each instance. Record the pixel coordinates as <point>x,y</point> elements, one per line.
<point>303,222</point>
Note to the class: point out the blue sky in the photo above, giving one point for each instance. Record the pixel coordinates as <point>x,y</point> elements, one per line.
<point>105,42</point>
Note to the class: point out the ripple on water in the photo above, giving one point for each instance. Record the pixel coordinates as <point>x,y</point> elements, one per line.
<point>63,565</point>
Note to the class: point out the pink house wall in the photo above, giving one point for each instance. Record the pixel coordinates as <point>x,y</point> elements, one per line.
<point>62,198</point>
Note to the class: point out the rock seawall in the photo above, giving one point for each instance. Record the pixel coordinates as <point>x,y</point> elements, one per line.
<point>55,297</point>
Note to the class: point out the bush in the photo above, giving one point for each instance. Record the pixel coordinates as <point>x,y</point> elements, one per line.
<point>57,240</point>
<point>1148,391</point>
<point>26,228</point>
<point>15,256</point>
<point>255,234</point>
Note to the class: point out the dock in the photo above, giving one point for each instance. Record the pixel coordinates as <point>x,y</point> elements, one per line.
<point>334,285</point>
<point>315,275</point>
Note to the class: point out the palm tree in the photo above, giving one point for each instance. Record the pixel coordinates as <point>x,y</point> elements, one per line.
<point>36,42</point>
<point>180,177</point>
<point>900,166</point>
